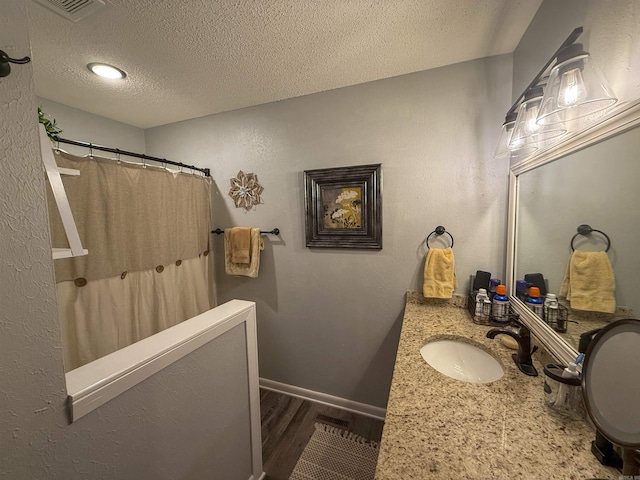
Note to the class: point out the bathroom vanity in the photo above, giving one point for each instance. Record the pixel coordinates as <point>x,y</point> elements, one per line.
<point>440,428</point>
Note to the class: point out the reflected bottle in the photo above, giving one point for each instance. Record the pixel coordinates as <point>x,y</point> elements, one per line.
<point>522,289</point>
<point>534,301</point>
<point>551,310</point>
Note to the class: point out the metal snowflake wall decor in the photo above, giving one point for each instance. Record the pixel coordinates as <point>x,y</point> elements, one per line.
<point>245,190</point>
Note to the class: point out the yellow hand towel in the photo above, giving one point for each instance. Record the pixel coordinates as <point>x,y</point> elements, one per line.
<point>240,242</point>
<point>244,269</point>
<point>589,282</point>
<point>439,273</point>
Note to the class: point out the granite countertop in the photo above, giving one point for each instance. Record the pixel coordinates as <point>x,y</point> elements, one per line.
<point>438,427</point>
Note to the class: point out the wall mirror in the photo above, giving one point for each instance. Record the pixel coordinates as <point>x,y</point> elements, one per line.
<point>590,179</point>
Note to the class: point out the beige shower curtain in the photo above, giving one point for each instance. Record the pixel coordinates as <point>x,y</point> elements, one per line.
<point>148,267</point>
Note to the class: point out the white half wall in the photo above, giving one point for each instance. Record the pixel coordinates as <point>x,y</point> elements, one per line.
<point>329,319</point>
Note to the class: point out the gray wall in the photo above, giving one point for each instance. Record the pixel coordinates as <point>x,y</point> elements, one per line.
<point>163,428</point>
<point>87,127</point>
<point>329,319</point>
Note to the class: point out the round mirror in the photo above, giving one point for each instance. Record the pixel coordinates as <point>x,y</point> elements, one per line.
<point>611,386</point>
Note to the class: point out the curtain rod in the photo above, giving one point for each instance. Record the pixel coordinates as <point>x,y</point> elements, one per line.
<point>91,146</point>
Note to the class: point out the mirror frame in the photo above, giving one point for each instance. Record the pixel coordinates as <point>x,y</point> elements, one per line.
<point>620,120</point>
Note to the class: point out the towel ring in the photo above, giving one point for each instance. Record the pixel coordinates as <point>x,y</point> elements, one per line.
<point>440,230</point>
<point>586,230</point>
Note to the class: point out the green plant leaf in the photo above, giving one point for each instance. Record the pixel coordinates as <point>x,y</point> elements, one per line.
<point>50,127</point>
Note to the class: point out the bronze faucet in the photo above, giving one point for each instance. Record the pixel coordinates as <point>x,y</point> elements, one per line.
<point>522,335</point>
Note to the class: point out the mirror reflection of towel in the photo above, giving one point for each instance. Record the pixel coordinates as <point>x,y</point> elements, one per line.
<point>589,283</point>
<point>439,273</point>
<point>251,268</point>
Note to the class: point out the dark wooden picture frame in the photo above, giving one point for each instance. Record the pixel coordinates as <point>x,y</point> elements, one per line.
<point>343,207</point>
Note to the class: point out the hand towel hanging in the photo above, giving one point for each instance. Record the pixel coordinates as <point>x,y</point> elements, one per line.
<point>256,244</point>
<point>439,273</point>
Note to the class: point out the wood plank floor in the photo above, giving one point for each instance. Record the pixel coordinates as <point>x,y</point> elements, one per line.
<point>287,426</point>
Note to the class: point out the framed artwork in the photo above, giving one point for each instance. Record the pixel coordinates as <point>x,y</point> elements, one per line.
<point>343,207</point>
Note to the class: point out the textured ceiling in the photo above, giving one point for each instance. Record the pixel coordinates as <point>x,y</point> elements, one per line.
<point>187,59</point>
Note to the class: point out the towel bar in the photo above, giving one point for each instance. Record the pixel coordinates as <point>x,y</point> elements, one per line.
<point>440,230</point>
<point>586,230</point>
<point>275,231</point>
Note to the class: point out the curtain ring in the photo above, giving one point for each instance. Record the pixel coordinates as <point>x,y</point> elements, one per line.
<point>144,163</point>
<point>118,156</point>
<point>164,163</point>
<point>91,151</point>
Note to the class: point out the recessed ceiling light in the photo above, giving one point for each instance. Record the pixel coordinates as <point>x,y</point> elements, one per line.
<point>106,71</point>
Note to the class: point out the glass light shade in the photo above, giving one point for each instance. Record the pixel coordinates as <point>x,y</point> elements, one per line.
<point>106,71</point>
<point>503,149</point>
<point>577,91</point>
<point>527,132</point>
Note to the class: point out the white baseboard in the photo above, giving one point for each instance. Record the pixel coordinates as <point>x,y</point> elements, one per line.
<point>324,399</point>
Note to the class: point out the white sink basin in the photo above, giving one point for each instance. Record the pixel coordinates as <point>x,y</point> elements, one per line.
<point>461,361</point>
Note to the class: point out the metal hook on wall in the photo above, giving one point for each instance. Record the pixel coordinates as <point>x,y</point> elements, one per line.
<point>5,60</point>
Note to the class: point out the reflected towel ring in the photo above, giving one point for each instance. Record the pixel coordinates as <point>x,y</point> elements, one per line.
<point>440,230</point>
<point>586,230</point>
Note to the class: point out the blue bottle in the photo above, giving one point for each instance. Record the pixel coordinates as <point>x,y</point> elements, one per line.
<point>500,305</point>
<point>534,301</point>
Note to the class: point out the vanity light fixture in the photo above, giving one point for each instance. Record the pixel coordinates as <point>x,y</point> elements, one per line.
<point>504,149</point>
<point>566,95</point>
<point>527,133</point>
<point>577,89</point>
<point>107,71</point>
